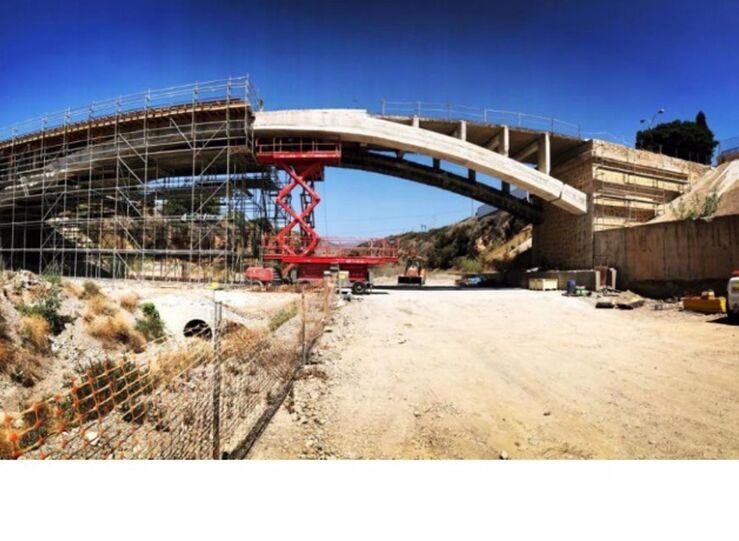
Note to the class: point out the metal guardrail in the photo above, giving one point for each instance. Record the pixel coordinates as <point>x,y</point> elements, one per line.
<point>232,88</point>
<point>726,147</point>
<point>451,111</point>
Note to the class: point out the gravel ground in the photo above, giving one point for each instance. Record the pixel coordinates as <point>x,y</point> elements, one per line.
<point>445,373</point>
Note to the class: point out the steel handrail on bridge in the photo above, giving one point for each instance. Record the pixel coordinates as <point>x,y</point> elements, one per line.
<point>450,111</point>
<point>728,149</point>
<point>295,145</point>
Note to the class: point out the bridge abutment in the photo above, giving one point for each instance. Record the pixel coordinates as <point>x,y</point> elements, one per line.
<point>624,186</point>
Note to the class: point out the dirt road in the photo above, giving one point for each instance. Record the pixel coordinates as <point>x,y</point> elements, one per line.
<point>513,373</point>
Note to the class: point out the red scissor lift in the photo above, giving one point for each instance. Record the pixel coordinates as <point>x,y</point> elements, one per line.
<point>298,245</point>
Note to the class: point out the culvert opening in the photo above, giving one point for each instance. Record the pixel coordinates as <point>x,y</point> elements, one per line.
<point>197,328</point>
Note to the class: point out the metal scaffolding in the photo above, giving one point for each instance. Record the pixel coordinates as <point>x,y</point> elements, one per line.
<point>161,185</point>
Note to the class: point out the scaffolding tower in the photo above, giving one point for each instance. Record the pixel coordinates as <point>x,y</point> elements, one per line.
<point>161,185</point>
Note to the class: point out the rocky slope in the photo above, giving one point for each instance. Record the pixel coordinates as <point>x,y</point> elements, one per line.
<point>471,245</point>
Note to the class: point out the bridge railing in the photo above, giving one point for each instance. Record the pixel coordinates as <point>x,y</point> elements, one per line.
<point>450,111</point>
<point>233,88</point>
<point>727,149</point>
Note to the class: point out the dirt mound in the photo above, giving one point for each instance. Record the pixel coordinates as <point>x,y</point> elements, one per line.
<point>714,194</point>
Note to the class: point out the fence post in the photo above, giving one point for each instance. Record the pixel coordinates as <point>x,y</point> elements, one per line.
<point>303,351</point>
<point>216,428</point>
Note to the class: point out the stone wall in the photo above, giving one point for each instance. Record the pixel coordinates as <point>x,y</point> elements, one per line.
<point>672,258</point>
<point>563,240</point>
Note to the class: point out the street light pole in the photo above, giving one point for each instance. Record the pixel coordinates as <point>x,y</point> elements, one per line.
<point>651,121</point>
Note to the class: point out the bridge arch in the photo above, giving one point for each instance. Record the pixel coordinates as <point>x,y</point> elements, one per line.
<point>357,126</point>
<point>79,191</point>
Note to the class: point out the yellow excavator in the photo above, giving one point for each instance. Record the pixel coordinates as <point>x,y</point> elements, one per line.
<point>415,273</point>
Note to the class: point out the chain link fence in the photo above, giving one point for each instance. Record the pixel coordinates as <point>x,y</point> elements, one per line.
<point>207,398</point>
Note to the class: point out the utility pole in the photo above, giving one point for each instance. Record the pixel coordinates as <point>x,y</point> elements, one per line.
<point>216,428</point>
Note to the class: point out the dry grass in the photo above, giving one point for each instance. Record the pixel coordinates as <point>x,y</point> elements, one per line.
<point>27,368</point>
<point>34,332</point>
<point>169,364</point>
<point>237,338</point>
<point>114,330</point>
<point>6,449</point>
<point>282,316</point>
<point>7,355</point>
<point>129,301</point>
<point>312,371</point>
<point>72,290</point>
<point>99,305</point>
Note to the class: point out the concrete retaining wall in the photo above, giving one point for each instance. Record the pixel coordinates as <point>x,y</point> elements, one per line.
<point>672,258</point>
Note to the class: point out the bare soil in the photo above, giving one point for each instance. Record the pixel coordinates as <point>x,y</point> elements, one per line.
<point>447,373</point>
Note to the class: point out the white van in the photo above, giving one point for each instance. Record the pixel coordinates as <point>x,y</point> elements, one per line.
<point>732,297</point>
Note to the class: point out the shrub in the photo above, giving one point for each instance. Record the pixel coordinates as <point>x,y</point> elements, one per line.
<point>129,301</point>
<point>53,275</point>
<point>151,325</point>
<point>710,204</point>
<point>284,315</point>
<point>47,308</point>
<point>115,330</point>
<point>90,289</point>
<point>693,207</point>
<point>469,265</point>
<point>98,305</point>
<point>34,333</point>
<point>448,246</point>
<point>26,368</point>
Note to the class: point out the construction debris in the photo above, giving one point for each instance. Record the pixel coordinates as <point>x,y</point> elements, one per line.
<point>707,303</point>
<point>623,300</point>
<point>635,301</point>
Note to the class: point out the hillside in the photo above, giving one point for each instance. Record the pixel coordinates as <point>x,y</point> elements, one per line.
<point>471,245</point>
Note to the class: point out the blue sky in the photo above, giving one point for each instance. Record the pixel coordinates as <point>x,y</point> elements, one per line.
<point>603,65</point>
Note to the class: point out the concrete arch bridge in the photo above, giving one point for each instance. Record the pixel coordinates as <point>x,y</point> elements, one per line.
<point>167,184</point>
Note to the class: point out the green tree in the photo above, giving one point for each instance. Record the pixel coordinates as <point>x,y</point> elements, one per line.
<point>449,246</point>
<point>681,139</point>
